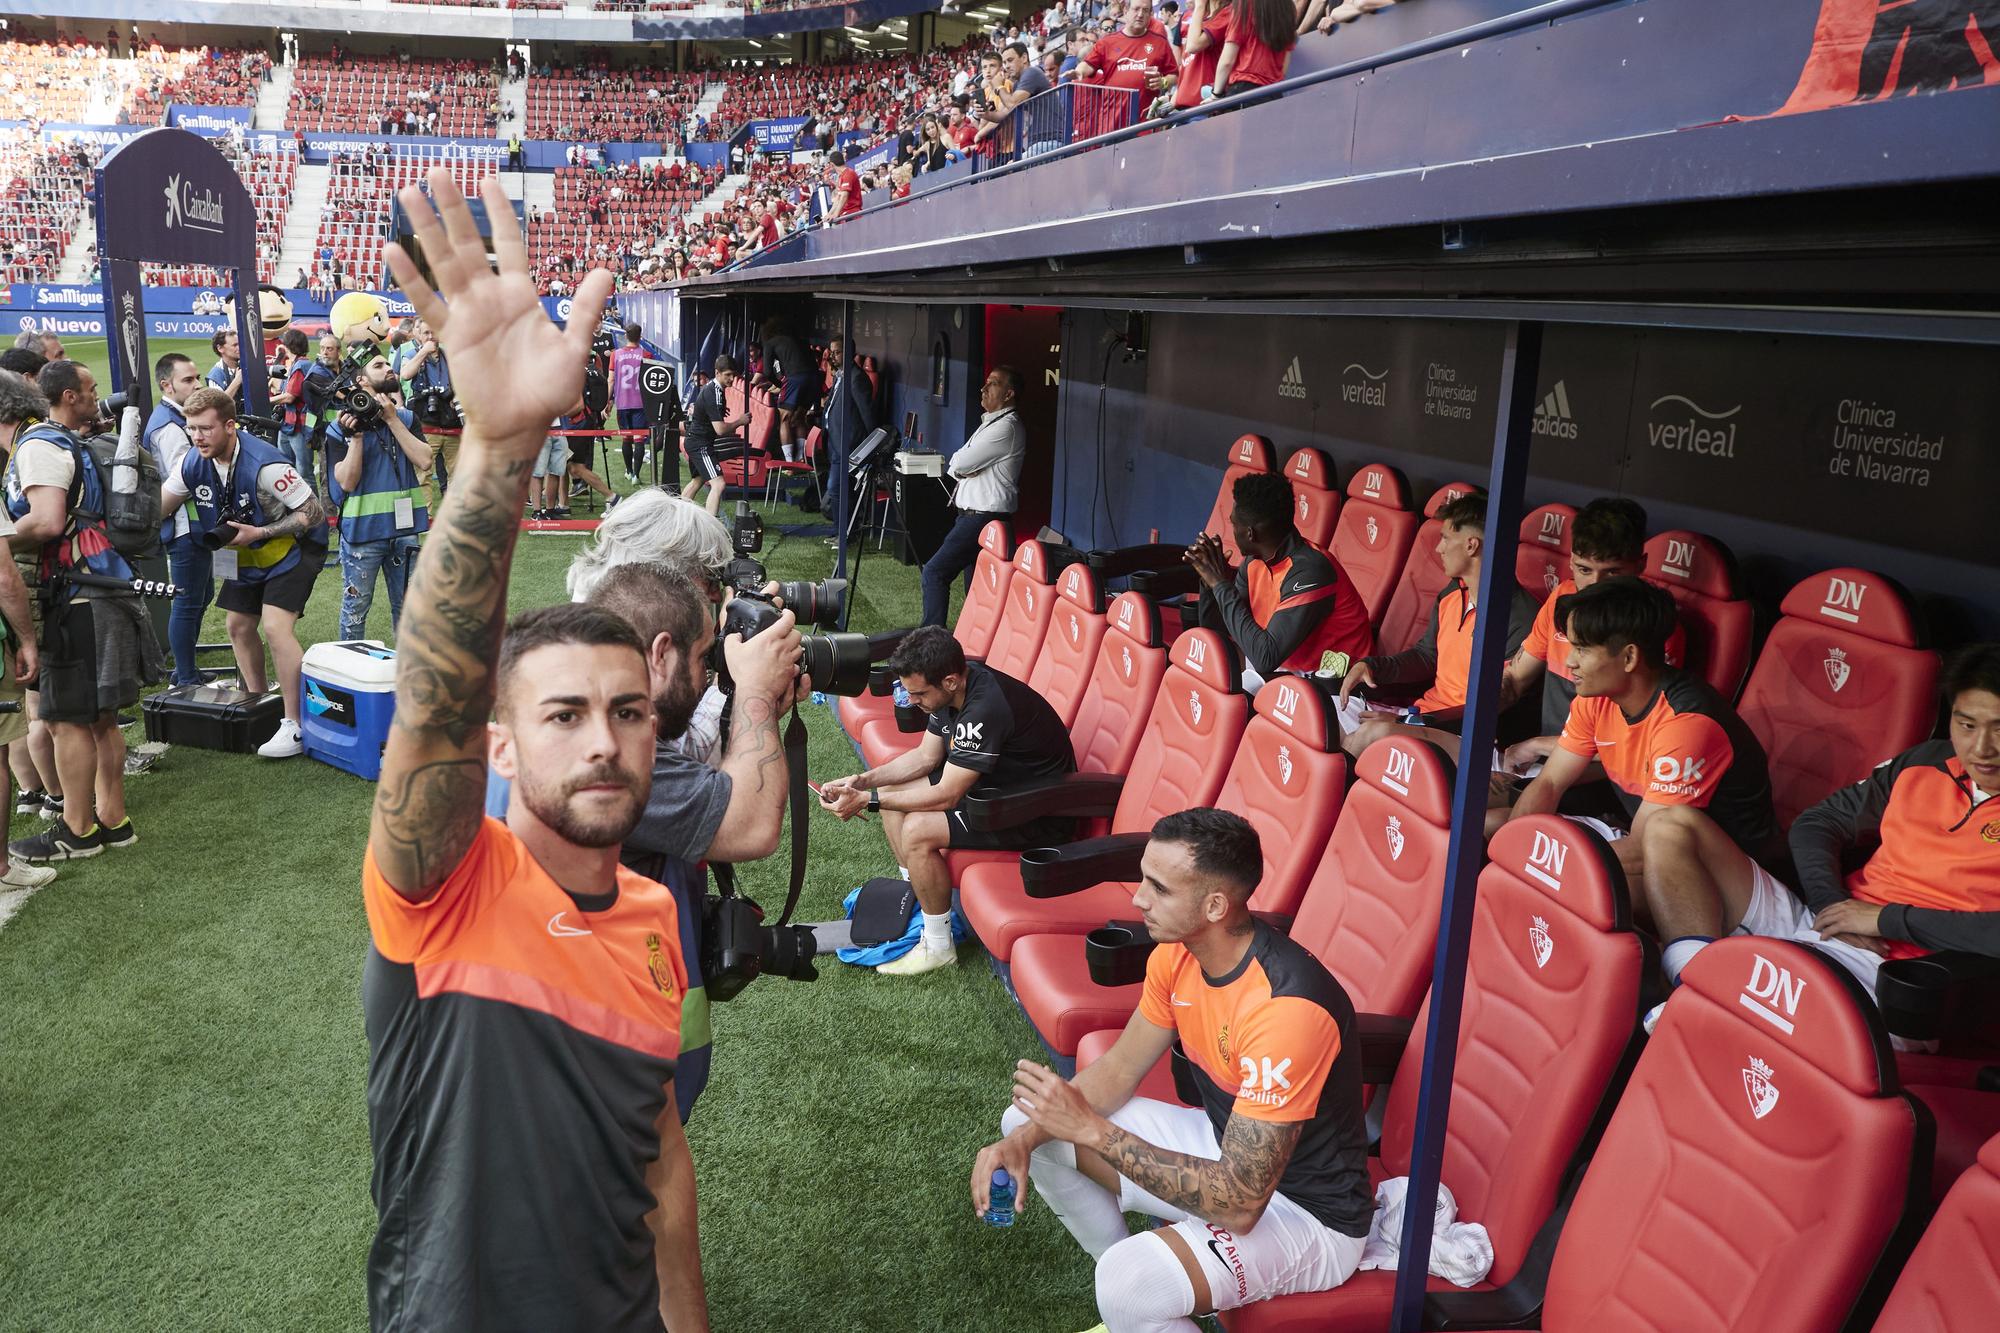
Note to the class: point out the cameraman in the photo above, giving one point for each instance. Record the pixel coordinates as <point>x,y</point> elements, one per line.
<point>430,398</point>
<point>377,489</point>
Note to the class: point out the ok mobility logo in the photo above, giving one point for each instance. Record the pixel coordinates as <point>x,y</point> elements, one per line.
<point>195,210</point>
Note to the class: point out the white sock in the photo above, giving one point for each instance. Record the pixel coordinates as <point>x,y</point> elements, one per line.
<point>1086,1208</point>
<point>1680,953</point>
<point>1142,1287</point>
<point>937,931</point>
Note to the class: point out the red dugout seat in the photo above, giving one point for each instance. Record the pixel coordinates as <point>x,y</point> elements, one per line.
<point>1720,625</point>
<point>1422,580</point>
<point>1552,1000</point>
<point>1541,561</point>
<point>1192,728</point>
<point>1250,453</point>
<point>1841,685</point>
<point>1315,496</point>
<point>1286,780</point>
<point>1952,1281</point>
<point>1372,537</point>
<point>1759,1164</point>
<point>1069,650</point>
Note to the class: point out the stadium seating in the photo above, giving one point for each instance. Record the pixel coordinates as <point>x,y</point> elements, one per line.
<point>1409,612</point>
<point>1721,626</point>
<point>1553,986</point>
<point>1759,1164</point>
<point>1062,669</point>
<point>1196,719</point>
<point>360,189</point>
<point>1842,683</point>
<point>43,191</point>
<point>45,80</point>
<point>1541,561</point>
<point>199,77</point>
<point>597,103</point>
<point>1315,496</point>
<point>1952,1279</point>
<point>1250,453</point>
<point>1372,538</point>
<point>359,94</point>
<point>1286,779</point>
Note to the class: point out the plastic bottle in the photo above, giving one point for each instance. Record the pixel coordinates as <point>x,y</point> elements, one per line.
<point>902,696</point>
<point>1000,1200</point>
<point>1414,716</point>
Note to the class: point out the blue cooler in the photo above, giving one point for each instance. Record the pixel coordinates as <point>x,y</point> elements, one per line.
<point>349,697</point>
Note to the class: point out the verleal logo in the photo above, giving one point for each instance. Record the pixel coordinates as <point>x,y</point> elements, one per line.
<point>1837,669</point>
<point>1681,425</point>
<point>1540,941</point>
<point>1757,1085</point>
<point>1293,383</point>
<point>1362,387</point>
<point>1552,418</point>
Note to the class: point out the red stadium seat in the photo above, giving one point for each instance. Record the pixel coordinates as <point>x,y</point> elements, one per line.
<point>1541,561</point>
<point>1758,1165</point>
<point>1158,1082</point>
<point>1952,1281</point>
<point>1250,453</point>
<point>1286,780</point>
<point>1720,625</point>
<point>1552,1000</point>
<point>1967,1117</point>
<point>1372,537</point>
<point>1069,651</point>
<point>1840,685</point>
<point>1423,578</point>
<point>1192,728</point>
<point>1315,496</point>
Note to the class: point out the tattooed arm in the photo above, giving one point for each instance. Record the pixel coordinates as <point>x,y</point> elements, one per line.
<point>765,668</point>
<point>295,523</point>
<point>430,798</point>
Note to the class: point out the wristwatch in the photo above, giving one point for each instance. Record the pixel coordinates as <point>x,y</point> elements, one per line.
<point>874,801</point>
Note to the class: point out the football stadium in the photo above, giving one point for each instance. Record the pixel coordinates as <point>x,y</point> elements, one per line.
<point>770,665</point>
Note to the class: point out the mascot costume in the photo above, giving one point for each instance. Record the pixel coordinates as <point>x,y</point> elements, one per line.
<point>274,316</point>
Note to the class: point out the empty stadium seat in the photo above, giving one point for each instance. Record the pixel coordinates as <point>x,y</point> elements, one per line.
<point>1841,685</point>
<point>1372,537</point>
<point>1250,453</point>
<point>1315,496</point>
<point>1541,561</point>
<point>1721,626</point>
<point>1952,1280</point>
<point>1062,669</point>
<point>1286,779</point>
<point>1760,1161</point>
<point>1552,999</point>
<point>1157,1082</point>
<point>1192,728</point>
<point>1409,612</point>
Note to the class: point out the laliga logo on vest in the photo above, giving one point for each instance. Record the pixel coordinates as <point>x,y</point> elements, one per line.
<point>1540,941</point>
<point>1758,1087</point>
<point>1770,989</point>
<point>1694,433</point>
<point>1837,670</point>
<point>1545,861</point>
<point>1284,765</point>
<point>1843,600</point>
<point>1400,771</point>
<point>1680,559</point>
<point>1293,382</point>
<point>1394,833</point>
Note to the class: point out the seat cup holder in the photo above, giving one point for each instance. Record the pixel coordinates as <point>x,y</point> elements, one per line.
<point>1116,953</point>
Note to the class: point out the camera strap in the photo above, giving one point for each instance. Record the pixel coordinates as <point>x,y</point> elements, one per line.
<point>801,811</point>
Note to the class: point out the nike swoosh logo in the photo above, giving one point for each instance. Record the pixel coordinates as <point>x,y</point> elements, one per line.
<point>562,929</point>
<point>1180,1003</point>
<point>1304,587</point>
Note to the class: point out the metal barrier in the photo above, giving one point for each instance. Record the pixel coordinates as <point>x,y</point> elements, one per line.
<point>1101,109</point>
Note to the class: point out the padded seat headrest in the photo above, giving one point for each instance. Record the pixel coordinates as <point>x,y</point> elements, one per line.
<point>994,537</point>
<point>1032,559</point>
<point>1548,527</point>
<point>1378,483</point>
<point>1989,1156</point>
<point>1253,452</point>
<point>1416,773</point>
<point>1797,1000</point>
<point>1566,862</point>
<point>1687,560</point>
<point>1446,494</point>
<point>1209,658</point>
<point>1857,601</point>
<point>1299,706</point>
<point>1078,586</point>
<point>1310,467</point>
<point>1136,618</point>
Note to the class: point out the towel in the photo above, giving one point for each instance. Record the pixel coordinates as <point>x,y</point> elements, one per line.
<point>888,951</point>
<point>1461,1252</point>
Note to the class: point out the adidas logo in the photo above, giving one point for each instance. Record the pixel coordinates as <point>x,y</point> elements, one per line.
<point>1553,418</point>
<point>1293,385</point>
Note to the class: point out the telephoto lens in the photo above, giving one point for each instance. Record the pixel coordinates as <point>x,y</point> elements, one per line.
<point>837,663</point>
<point>815,603</point>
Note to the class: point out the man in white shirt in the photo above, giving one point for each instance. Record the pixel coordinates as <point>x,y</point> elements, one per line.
<point>987,468</point>
<point>190,563</point>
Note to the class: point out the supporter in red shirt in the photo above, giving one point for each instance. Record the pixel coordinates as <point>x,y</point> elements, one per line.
<point>1256,46</point>
<point>846,188</point>
<point>1203,33</point>
<point>961,130</point>
<point>1136,58</point>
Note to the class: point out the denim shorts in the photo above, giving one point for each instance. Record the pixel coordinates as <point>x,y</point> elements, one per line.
<point>553,460</point>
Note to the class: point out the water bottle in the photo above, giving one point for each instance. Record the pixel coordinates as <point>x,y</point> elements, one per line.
<point>1000,1200</point>
<point>902,696</point>
<point>819,698</point>
<point>122,508</point>
<point>1413,716</point>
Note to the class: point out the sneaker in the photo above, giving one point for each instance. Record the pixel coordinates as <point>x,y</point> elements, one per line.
<point>30,802</point>
<point>576,489</point>
<point>559,514</point>
<point>121,834</point>
<point>21,875</point>
<point>284,743</point>
<point>919,961</point>
<point>126,719</point>
<point>52,807</point>
<point>612,503</point>
<point>58,844</point>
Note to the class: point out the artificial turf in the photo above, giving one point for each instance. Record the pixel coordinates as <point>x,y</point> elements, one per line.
<point>183,1134</point>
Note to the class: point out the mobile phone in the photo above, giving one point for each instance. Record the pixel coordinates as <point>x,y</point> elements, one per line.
<point>814,788</point>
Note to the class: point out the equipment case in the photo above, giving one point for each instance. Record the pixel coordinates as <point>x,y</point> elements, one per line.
<point>213,717</point>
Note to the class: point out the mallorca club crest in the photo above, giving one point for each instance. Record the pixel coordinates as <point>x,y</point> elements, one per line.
<point>1757,1085</point>
<point>1990,831</point>
<point>1540,941</point>
<point>657,966</point>
<point>1285,765</point>
<point>1836,668</point>
<point>1395,835</point>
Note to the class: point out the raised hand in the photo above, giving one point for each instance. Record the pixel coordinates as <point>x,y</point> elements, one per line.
<point>513,374</point>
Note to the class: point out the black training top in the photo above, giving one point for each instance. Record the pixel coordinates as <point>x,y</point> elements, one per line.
<point>1005,732</point>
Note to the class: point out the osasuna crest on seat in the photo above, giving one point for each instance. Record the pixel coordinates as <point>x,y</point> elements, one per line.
<point>1284,765</point>
<point>1836,668</point>
<point>1394,833</point>
<point>1757,1085</point>
<point>1540,941</point>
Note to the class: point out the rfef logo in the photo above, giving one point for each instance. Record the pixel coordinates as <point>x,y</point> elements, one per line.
<point>1773,994</point>
<point>1843,599</point>
<point>1545,861</point>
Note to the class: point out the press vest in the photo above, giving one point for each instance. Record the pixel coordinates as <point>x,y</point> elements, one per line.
<point>84,542</point>
<point>237,502</point>
<point>368,514</point>
<point>168,414</point>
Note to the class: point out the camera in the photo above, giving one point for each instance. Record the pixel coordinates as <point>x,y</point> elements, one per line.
<point>837,663</point>
<point>215,538</point>
<point>437,409</point>
<point>820,604</point>
<point>737,947</point>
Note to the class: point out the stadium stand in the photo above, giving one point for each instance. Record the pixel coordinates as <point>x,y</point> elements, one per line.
<point>359,193</point>
<point>593,101</point>
<point>394,95</point>
<point>50,80</point>
<point>45,190</point>
<point>203,76</point>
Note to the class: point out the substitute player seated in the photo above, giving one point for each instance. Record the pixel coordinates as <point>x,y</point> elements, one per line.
<point>1929,821</point>
<point>1264,1186</point>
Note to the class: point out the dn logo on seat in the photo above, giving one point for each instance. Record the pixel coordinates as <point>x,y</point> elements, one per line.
<point>1545,861</point>
<point>1552,529</point>
<point>1287,705</point>
<point>1770,990</point>
<point>1680,559</point>
<point>1843,600</point>
<point>1400,771</point>
<point>1197,654</point>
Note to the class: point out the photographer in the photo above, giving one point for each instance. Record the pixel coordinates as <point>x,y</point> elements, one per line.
<point>20,403</point>
<point>708,425</point>
<point>268,532</point>
<point>190,564</point>
<point>227,372</point>
<point>985,726</point>
<point>430,398</point>
<point>377,489</point>
<point>295,436</point>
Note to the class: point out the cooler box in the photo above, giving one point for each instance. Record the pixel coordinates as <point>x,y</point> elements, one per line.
<point>213,717</point>
<point>348,697</point>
